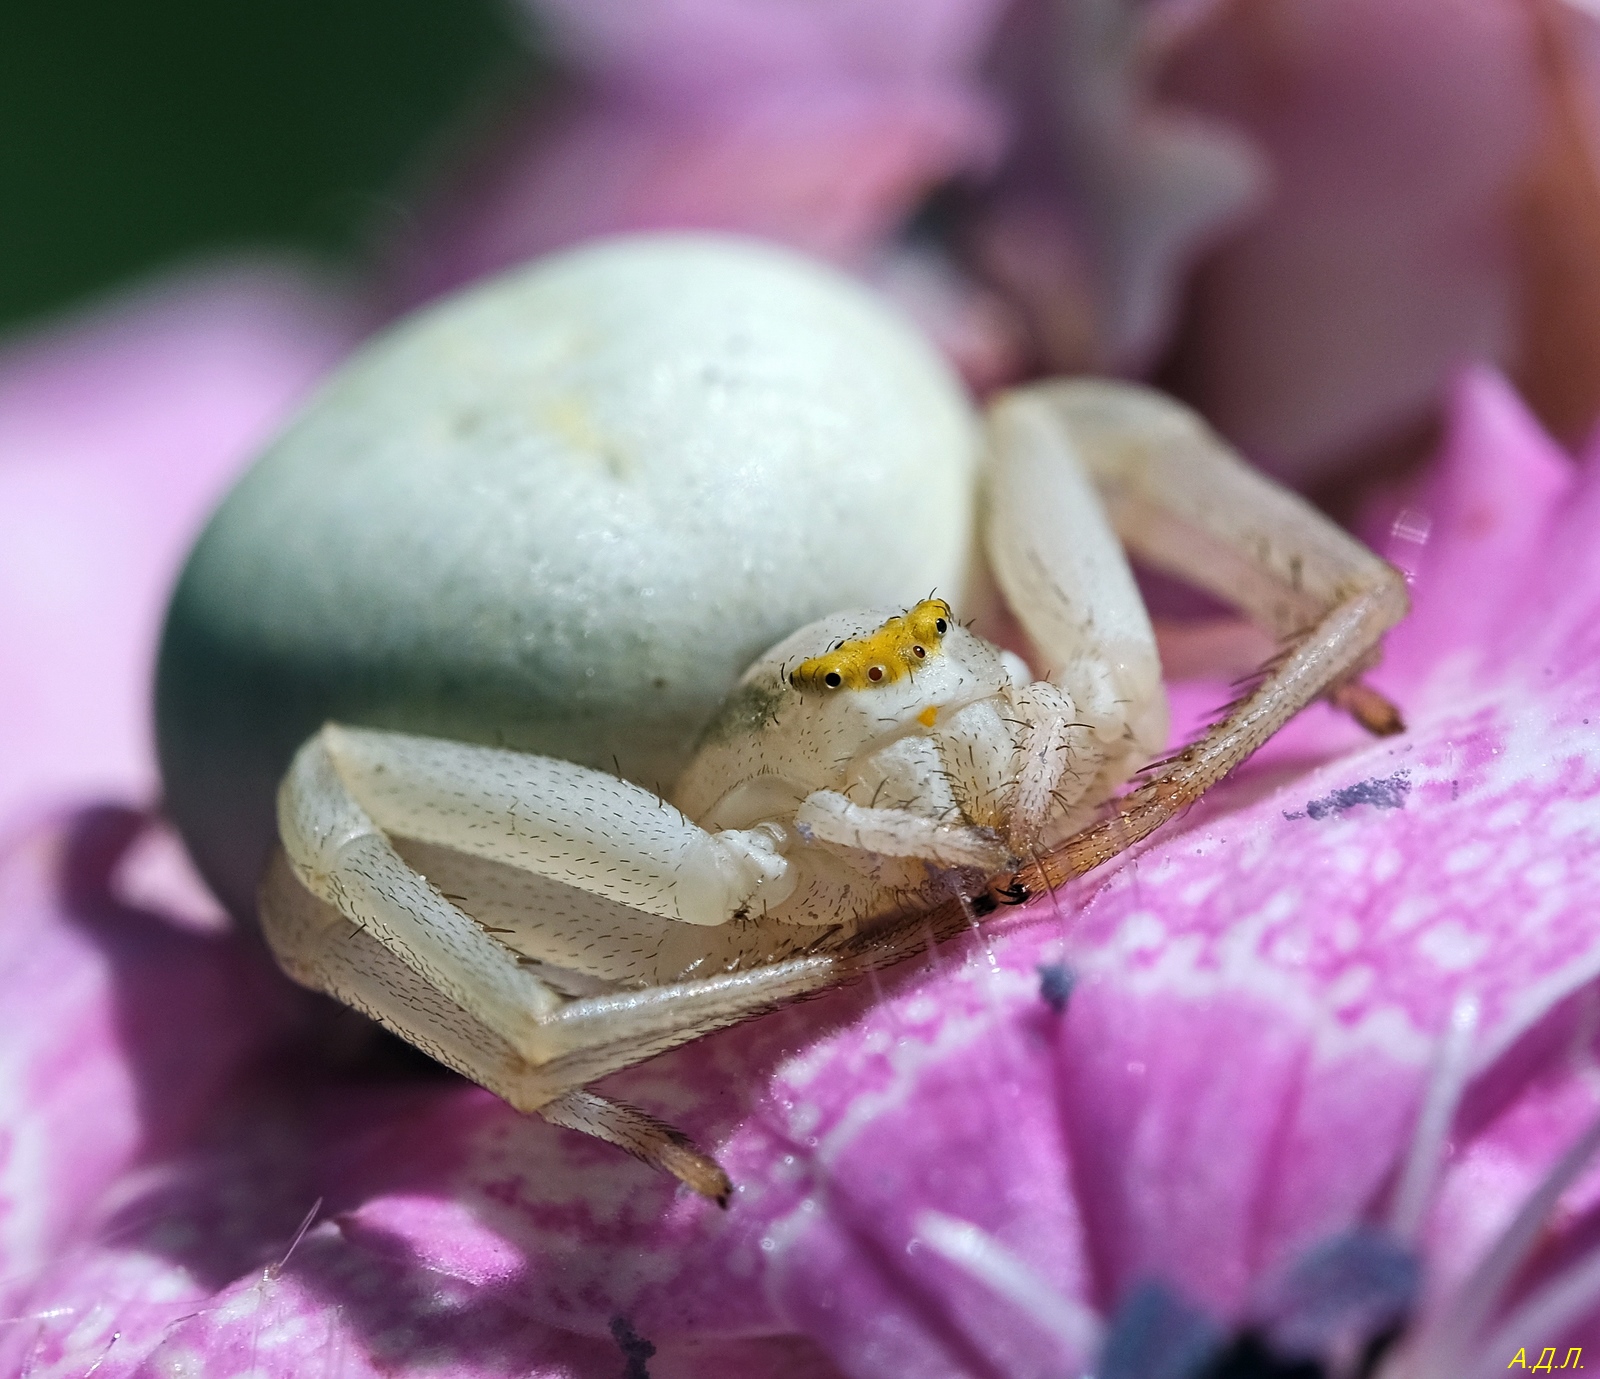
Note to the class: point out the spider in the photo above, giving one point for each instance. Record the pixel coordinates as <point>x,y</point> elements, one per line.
<point>877,778</point>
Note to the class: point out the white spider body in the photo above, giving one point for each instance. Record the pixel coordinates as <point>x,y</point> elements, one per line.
<point>878,777</point>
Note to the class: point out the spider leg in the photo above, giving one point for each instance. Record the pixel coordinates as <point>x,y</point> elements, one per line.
<point>1369,708</point>
<point>646,1138</point>
<point>1057,557</point>
<point>581,827</point>
<point>1182,501</point>
<point>338,853</point>
<point>1049,738</point>
<point>572,1042</point>
<point>322,948</point>
<point>543,1062</point>
<point>829,817</point>
<point>341,855</point>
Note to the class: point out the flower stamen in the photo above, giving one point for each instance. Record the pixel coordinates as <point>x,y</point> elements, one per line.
<point>1439,1104</point>
<point>976,1252</point>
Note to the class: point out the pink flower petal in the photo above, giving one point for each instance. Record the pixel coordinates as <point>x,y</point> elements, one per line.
<point>831,167</point>
<point>827,126</point>
<point>123,1035</point>
<point>118,430</point>
<point>1472,535</point>
<point>1396,130</point>
<point>822,126</point>
<point>1111,190</point>
<point>168,1126</point>
<point>692,47</point>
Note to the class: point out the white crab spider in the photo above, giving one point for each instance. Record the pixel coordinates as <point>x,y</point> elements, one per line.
<point>877,777</point>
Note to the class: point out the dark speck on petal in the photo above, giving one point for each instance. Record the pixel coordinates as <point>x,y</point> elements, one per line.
<point>1056,981</point>
<point>1381,792</point>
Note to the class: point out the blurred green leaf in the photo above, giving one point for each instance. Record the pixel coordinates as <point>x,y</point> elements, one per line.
<point>132,134</point>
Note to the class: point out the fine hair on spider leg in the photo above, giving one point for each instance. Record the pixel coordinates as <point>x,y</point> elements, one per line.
<point>1295,682</point>
<point>1182,502</point>
<point>662,1146</point>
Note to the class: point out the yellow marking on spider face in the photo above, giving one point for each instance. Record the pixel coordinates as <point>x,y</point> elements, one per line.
<point>891,653</point>
<point>928,716</point>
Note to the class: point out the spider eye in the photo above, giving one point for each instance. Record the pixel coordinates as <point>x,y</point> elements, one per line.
<point>832,679</point>
<point>874,673</point>
<point>918,652</point>
<point>940,626</point>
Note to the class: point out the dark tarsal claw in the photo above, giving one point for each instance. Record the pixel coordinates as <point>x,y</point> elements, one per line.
<point>1013,892</point>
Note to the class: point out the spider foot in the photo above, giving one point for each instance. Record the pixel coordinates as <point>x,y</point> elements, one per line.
<point>1370,709</point>
<point>646,1138</point>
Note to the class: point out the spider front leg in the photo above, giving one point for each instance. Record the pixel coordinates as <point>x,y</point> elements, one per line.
<point>347,915</point>
<point>581,827</point>
<point>1059,760</point>
<point>828,817</point>
<point>1180,499</point>
<point>318,946</point>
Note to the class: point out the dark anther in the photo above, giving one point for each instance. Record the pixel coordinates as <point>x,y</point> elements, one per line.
<point>635,1349</point>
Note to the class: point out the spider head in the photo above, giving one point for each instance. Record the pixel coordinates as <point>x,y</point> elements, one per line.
<point>900,647</point>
